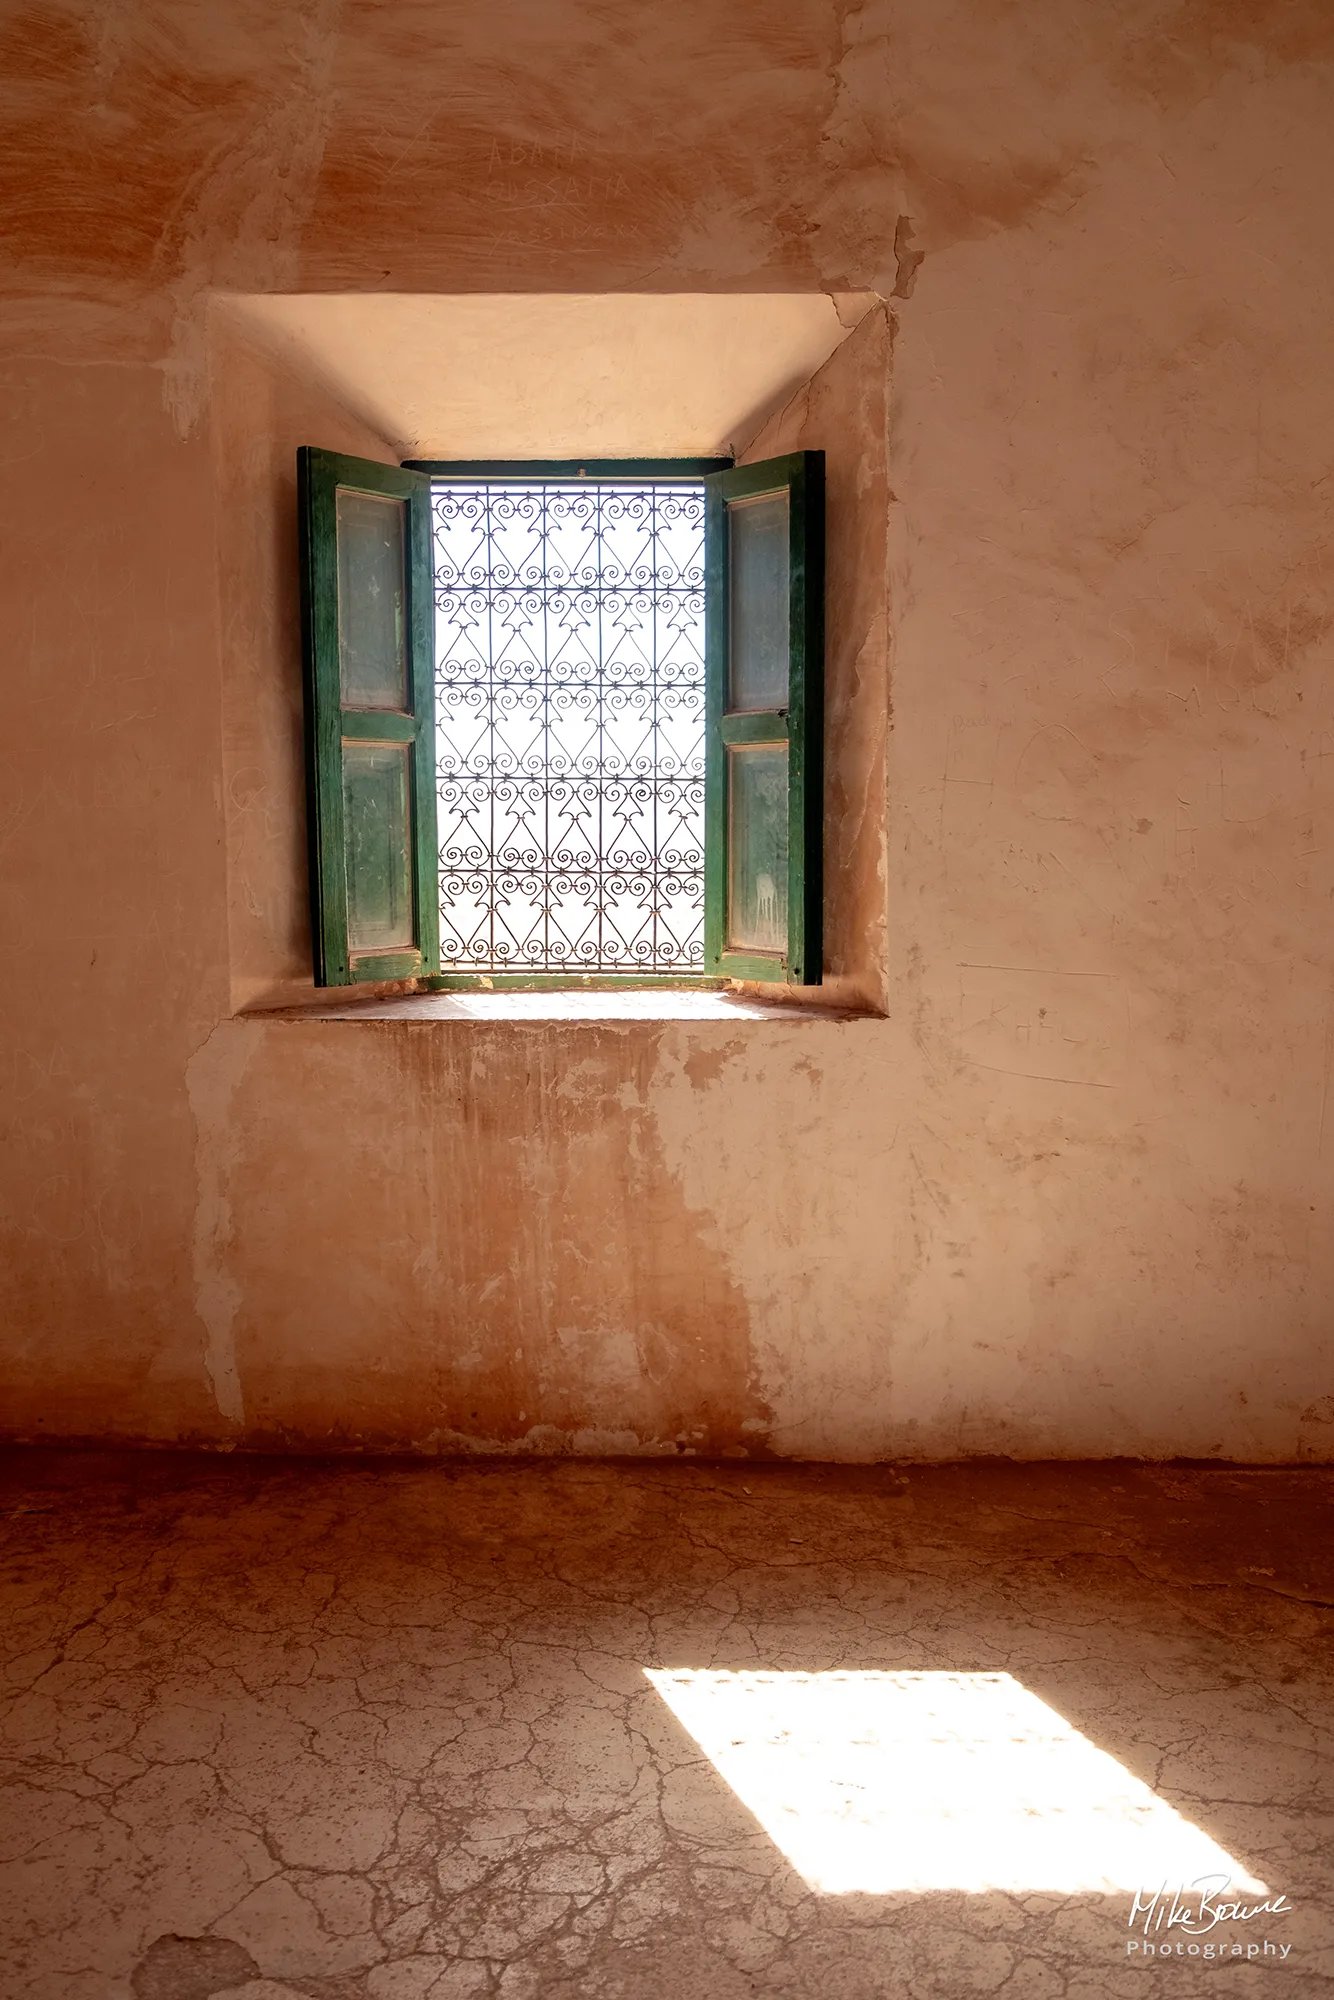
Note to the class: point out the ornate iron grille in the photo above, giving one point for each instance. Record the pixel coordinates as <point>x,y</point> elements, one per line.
<point>570,726</point>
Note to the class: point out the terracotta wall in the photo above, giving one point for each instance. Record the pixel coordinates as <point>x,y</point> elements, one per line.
<point>1071,1194</point>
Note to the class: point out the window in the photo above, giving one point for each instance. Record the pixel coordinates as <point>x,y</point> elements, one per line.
<point>570,724</point>
<point>564,720</point>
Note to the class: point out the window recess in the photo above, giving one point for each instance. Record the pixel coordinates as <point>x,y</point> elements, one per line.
<point>564,720</point>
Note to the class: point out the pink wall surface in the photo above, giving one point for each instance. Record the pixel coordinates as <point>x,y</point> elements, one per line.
<point>1067,1192</point>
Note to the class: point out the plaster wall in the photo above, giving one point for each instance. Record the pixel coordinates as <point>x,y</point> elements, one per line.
<point>1070,1192</point>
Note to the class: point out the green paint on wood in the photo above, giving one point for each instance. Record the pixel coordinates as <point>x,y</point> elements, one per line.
<point>747,624</point>
<point>369,651</point>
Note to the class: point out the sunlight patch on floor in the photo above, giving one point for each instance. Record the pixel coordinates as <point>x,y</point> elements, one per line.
<point>876,1782</point>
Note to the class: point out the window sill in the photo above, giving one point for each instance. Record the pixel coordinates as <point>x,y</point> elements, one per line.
<point>632,1005</point>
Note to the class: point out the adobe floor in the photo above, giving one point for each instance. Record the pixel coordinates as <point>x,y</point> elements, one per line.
<point>365,1731</point>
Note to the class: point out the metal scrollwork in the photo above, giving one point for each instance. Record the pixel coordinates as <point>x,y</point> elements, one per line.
<point>570,727</point>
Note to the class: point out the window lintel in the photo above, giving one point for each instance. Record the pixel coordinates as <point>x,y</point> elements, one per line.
<point>536,469</point>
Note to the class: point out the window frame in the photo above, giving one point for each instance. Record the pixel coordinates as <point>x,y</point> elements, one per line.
<point>803,475</point>
<point>534,471</point>
<point>538,470</point>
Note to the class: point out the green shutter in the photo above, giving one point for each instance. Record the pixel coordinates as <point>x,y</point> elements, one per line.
<point>367,631</point>
<point>764,794</point>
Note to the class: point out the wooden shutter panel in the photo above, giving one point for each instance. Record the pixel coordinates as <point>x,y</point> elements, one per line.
<point>764,793</point>
<point>368,639</point>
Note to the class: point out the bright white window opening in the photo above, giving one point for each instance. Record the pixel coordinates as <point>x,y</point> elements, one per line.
<point>570,725</point>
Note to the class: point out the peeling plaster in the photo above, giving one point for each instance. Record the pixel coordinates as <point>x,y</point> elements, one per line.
<point>1100,827</point>
<point>818,1251</point>
<point>906,259</point>
<point>211,1079</point>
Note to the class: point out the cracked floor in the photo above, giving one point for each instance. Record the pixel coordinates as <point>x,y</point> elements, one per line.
<point>354,1731</point>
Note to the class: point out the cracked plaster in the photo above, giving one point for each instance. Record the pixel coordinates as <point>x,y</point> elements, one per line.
<point>341,1732</point>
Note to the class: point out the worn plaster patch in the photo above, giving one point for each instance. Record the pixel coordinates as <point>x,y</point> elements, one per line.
<point>211,1078</point>
<point>239,226</point>
<point>191,1968</point>
<point>1068,1027</point>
